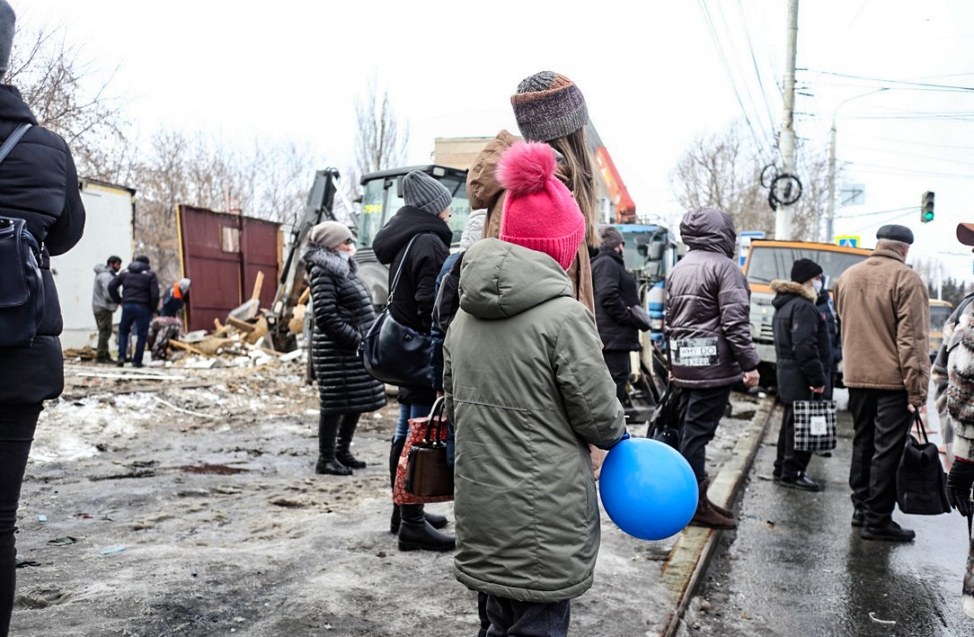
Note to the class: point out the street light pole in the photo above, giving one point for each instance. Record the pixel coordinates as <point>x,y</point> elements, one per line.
<point>830,216</point>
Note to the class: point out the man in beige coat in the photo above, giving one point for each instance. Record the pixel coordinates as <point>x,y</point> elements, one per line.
<point>884,310</point>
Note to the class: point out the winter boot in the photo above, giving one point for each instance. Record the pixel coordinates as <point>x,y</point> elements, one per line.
<point>327,464</point>
<point>436,521</point>
<point>345,433</point>
<point>416,534</point>
<point>705,514</point>
<point>704,487</point>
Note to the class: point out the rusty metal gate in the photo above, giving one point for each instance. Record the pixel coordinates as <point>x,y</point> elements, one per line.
<point>222,254</point>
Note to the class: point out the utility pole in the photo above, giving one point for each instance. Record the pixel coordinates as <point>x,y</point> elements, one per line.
<point>782,219</point>
<point>830,216</point>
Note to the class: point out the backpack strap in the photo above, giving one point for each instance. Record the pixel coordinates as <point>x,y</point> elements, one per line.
<point>11,141</point>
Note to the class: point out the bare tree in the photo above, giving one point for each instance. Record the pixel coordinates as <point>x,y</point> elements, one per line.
<point>68,97</point>
<point>381,142</point>
<point>723,171</point>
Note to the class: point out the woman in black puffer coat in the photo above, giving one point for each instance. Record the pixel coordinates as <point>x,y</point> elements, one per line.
<point>343,314</point>
<point>39,184</point>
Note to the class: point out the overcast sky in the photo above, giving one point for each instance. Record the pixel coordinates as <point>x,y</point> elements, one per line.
<point>652,73</point>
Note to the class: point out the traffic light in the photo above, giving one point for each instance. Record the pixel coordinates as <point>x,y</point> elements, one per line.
<point>926,208</point>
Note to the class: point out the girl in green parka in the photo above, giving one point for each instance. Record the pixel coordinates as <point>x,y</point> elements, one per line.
<point>528,391</point>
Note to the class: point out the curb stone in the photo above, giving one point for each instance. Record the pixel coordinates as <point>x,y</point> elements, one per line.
<point>691,554</point>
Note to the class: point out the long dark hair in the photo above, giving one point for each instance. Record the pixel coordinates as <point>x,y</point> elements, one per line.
<point>580,178</point>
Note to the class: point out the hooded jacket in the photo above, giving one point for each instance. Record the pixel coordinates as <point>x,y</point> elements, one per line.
<point>708,306</point>
<point>802,346</point>
<point>139,285</point>
<point>343,314</point>
<point>414,295</point>
<point>615,293</point>
<point>38,183</point>
<point>885,313</point>
<point>527,390</point>
<point>101,300</point>
<point>484,191</point>
<point>173,300</point>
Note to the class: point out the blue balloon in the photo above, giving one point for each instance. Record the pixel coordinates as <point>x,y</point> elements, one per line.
<point>648,488</point>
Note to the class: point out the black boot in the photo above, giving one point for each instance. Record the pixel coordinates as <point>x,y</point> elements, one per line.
<point>327,464</point>
<point>345,433</point>
<point>416,534</point>
<point>436,521</point>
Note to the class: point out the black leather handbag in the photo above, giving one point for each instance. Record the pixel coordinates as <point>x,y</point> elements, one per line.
<point>427,472</point>
<point>394,353</point>
<point>921,484</point>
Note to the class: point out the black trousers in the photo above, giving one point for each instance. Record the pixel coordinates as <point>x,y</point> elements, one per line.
<point>881,424</point>
<point>702,409</point>
<point>502,617</point>
<point>17,425</point>
<point>790,462</point>
<point>617,361</point>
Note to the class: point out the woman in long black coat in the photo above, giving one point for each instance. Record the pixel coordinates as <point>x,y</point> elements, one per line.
<point>803,351</point>
<point>343,314</point>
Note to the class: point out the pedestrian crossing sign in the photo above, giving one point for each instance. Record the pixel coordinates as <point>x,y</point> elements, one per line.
<point>847,241</point>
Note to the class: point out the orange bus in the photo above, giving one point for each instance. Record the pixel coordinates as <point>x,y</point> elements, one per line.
<point>769,259</point>
<point>939,313</point>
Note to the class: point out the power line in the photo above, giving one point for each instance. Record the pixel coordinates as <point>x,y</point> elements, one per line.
<point>901,82</point>
<point>754,62</point>
<point>896,152</point>
<point>730,77</point>
<point>876,212</point>
<point>893,170</point>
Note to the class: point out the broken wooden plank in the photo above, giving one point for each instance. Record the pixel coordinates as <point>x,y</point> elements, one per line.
<point>184,346</point>
<point>304,296</point>
<point>258,284</point>
<point>220,328</point>
<point>243,326</point>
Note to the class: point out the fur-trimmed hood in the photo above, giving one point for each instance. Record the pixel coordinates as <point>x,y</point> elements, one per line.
<point>328,260</point>
<point>781,286</point>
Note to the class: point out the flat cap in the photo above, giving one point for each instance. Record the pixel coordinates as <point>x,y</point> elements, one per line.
<point>965,233</point>
<point>895,232</point>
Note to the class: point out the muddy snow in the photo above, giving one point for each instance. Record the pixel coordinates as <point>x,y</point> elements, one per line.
<point>182,501</point>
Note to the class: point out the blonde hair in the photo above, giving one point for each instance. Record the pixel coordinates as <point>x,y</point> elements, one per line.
<point>580,179</point>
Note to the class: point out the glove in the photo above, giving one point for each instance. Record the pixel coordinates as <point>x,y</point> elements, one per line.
<point>959,482</point>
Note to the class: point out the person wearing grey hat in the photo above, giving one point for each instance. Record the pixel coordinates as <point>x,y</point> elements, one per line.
<point>416,240</point>
<point>548,107</point>
<point>342,310</point>
<point>884,309</point>
<point>39,187</point>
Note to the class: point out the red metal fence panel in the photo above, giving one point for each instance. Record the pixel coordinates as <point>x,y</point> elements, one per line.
<point>222,253</point>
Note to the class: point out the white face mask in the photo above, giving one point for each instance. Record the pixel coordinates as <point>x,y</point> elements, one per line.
<point>345,255</point>
<point>817,286</point>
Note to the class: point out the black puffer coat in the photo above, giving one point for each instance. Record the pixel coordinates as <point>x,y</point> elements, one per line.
<point>139,285</point>
<point>615,293</point>
<point>38,183</point>
<point>343,314</point>
<point>802,347</point>
<point>708,306</point>
<point>415,294</point>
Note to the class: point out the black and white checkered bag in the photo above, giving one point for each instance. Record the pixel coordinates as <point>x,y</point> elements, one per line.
<point>814,425</point>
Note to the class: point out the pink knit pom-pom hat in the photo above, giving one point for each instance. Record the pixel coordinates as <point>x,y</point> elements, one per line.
<point>540,212</point>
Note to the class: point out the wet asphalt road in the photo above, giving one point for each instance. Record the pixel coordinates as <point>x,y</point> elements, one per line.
<point>796,566</point>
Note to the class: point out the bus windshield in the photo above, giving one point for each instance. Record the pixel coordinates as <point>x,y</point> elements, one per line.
<point>767,263</point>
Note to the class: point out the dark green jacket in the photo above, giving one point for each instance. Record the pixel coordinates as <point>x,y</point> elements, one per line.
<point>528,390</point>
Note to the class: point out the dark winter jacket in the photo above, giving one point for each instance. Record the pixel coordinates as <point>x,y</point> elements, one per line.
<point>343,314</point>
<point>38,183</point>
<point>412,301</point>
<point>444,309</point>
<point>615,293</point>
<point>172,304</point>
<point>827,308</point>
<point>708,306</point>
<point>139,285</point>
<point>101,300</point>
<point>802,347</point>
<point>527,389</point>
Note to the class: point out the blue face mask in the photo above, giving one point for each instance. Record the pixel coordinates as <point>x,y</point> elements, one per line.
<point>348,255</point>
